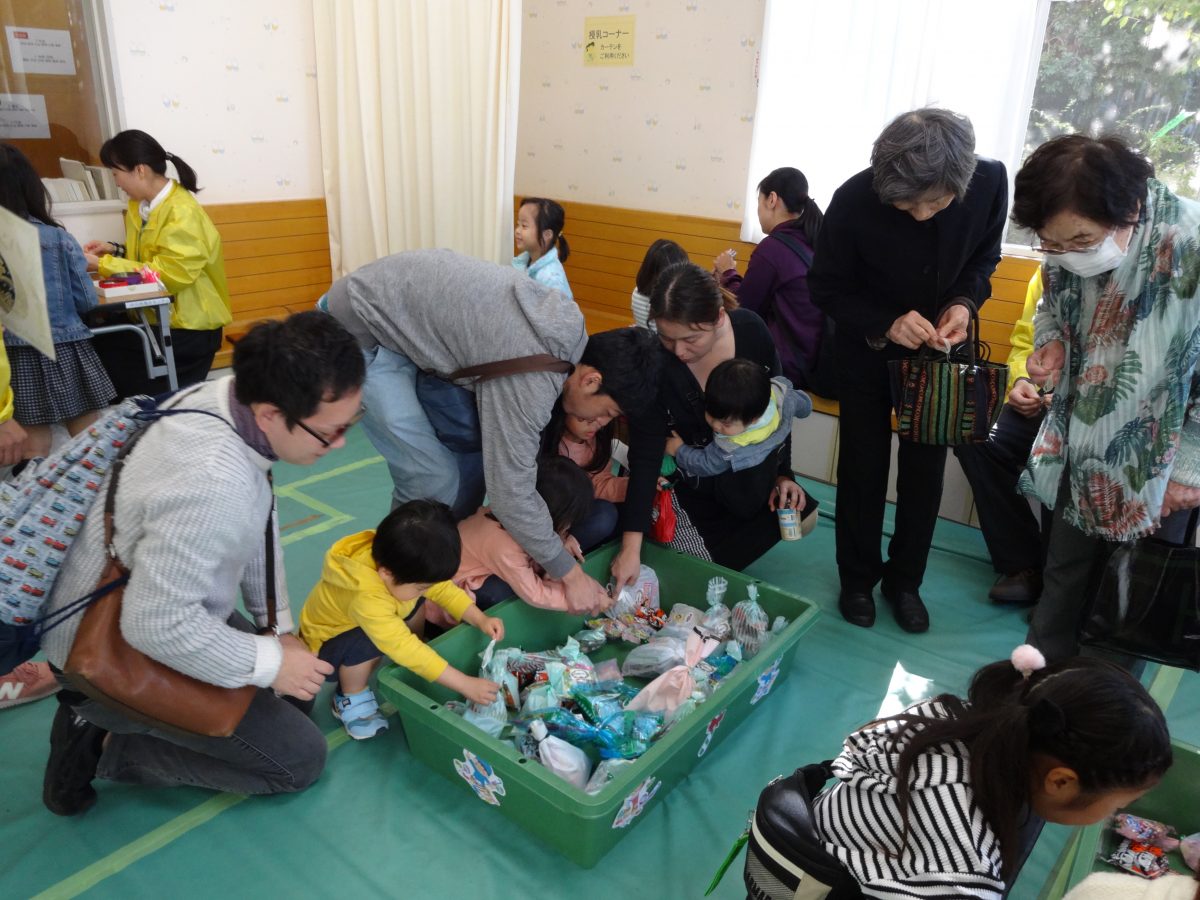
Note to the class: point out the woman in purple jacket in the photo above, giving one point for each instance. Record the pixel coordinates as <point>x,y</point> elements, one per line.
<point>776,282</point>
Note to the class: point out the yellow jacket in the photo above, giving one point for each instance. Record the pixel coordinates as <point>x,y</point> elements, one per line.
<point>351,594</point>
<point>6,394</point>
<point>181,244</point>
<point>1022,333</point>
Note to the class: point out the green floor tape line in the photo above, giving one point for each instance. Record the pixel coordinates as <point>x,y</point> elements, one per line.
<point>88,878</point>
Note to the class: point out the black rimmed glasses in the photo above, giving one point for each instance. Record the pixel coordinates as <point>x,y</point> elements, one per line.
<point>328,440</point>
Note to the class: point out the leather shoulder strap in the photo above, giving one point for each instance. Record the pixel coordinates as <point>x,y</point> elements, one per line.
<point>540,362</point>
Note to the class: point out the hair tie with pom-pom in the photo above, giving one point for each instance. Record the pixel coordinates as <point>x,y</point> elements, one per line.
<point>1027,659</point>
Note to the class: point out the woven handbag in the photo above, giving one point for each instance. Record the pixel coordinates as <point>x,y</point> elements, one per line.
<point>949,398</point>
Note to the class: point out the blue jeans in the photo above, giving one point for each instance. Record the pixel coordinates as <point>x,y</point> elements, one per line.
<point>426,429</point>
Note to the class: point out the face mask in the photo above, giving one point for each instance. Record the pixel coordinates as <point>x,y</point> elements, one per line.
<point>1104,257</point>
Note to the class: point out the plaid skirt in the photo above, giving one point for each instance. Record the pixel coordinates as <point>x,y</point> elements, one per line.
<point>48,391</point>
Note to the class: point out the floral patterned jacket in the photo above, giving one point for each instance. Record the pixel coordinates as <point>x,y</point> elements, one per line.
<point>1125,411</point>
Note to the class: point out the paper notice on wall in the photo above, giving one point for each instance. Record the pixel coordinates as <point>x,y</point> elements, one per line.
<point>23,308</point>
<point>40,51</point>
<point>608,40</point>
<point>23,116</point>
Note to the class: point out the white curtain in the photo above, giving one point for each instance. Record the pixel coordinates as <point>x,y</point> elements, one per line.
<point>418,107</point>
<point>831,75</point>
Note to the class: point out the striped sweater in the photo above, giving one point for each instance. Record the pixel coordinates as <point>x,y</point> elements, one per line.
<point>951,850</point>
<point>190,519</point>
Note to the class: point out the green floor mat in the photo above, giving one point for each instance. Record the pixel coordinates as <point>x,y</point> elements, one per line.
<point>380,824</point>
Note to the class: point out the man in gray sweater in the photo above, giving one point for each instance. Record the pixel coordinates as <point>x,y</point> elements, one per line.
<point>192,508</point>
<point>422,316</point>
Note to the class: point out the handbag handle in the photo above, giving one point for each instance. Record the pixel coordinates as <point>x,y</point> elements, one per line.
<point>972,342</point>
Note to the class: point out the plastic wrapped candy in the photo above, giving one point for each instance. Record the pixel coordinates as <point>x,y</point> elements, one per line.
<point>1145,831</point>
<point>779,624</point>
<point>716,617</point>
<point>633,731</point>
<point>599,701</point>
<point>1140,859</point>
<point>567,762</point>
<point>643,592</point>
<point>608,670</point>
<point>655,657</point>
<point>606,771</point>
<point>684,616</point>
<point>750,623</point>
<point>492,717</point>
<point>1189,849</point>
<point>591,639</point>
<point>539,697</point>
<point>669,690</point>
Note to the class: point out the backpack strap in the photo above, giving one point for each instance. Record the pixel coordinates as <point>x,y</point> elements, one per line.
<point>520,365</point>
<point>795,246</point>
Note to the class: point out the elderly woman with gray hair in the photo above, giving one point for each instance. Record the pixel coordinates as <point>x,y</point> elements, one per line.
<point>904,242</point>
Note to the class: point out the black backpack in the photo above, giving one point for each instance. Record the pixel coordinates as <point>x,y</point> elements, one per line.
<point>784,856</point>
<point>819,374</point>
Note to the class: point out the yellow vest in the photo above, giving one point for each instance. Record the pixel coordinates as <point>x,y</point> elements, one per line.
<point>181,244</point>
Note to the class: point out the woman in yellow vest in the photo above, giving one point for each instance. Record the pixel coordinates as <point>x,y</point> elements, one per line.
<point>167,230</point>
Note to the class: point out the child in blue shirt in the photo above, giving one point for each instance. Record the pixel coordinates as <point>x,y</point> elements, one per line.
<point>542,247</point>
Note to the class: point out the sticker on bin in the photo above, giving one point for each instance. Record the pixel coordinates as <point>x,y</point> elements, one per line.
<point>478,773</point>
<point>766,681</point>
<point>713,725</point>
<point>636,802</point>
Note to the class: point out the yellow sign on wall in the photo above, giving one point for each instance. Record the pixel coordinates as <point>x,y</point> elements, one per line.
<point>608,41</point>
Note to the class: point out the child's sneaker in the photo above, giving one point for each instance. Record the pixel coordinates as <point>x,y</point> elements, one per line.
<point>359,714</point>
<point>27,682</point>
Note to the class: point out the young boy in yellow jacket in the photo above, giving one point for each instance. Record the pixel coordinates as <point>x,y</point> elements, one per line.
<point>371,588</point>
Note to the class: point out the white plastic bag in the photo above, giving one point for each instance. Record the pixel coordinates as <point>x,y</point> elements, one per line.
<point>564,760</point>
<point>491,718</point>
<point>643,592</point>
<point>655,657</point>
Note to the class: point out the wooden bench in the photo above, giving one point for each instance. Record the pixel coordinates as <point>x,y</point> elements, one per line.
<point>276,260</point>
<point>608,243</point>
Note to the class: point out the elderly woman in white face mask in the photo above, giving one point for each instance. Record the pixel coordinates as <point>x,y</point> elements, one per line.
<point>1117,338</point>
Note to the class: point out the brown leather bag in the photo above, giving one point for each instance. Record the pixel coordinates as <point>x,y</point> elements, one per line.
<point>107,669</point>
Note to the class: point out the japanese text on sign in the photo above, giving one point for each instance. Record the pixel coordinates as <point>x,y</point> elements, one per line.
<point>608,41</point>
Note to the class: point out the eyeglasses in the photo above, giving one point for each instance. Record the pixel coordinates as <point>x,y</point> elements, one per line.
<point>1092,247</point>
<point>328,440</point>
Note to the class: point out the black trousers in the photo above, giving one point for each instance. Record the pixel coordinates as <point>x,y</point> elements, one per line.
<point>121,354</point>
<point>1011,530</point>
<point>864,448</point>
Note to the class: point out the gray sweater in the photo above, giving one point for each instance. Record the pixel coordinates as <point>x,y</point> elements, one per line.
<point>445,312</point>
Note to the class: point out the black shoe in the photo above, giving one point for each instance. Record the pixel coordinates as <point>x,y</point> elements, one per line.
<point>75,748</point>
<point>909,610</point>
<point>1019,589</point>
<point>857,608</point>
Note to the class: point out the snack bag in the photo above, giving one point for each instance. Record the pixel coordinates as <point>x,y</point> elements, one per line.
<point>598,702</point>
<point>1189,849</point>
<point>606,771</point>
<point>1145,831</point>
<point>643,592</point>
<point>668,691</point>
<point>591,639</point>
<point>653,658</point>
<point>608,670</point>
<point>1140,859</point>
<point>569,763</point>
<point>491,718</point>
<point>716,617</point>
<point>750,623</point>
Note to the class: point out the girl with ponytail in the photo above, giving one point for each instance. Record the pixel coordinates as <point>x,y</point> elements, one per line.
<point>776,281</point>
<point>948,797</point>
<point>167,230</point>
<point>541,247</point>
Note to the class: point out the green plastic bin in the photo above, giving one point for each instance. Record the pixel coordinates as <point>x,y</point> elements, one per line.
<point>584,827</point>
<point>1175,801</point>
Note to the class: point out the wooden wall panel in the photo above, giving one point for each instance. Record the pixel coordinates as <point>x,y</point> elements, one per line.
<point>276,260</point>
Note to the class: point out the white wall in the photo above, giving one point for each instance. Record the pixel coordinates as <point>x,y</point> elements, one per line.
<point>670,133</point>
<point>228,85</point>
